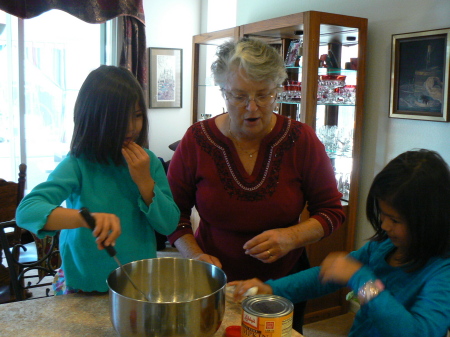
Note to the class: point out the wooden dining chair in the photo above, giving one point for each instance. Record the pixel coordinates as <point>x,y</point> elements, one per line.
<point>27,257</point>
<point>11,193</point>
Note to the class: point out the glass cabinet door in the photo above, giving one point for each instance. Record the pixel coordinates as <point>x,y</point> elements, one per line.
<point>210,100</point>
<point>207,98</point>
<point>327,93</point>
<point>325,83</point>
<point>336,100</point>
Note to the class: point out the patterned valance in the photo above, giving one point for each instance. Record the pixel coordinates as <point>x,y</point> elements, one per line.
<point>92,11</point>
<point>133,55</point>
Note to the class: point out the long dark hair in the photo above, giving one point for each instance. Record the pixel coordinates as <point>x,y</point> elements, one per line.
<point>417,185</point>
<point>102,110</point>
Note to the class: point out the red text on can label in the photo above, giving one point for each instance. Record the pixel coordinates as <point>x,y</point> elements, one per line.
<point>266,316</point>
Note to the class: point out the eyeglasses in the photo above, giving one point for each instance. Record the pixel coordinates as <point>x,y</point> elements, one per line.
<point>243,100</point>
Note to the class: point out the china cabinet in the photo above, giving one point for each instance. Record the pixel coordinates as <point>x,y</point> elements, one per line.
<point>330,77</point>
<point>206,97</point>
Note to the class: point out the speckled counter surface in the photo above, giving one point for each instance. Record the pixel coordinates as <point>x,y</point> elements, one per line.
<point>76,315</point>
<point>80,315</point>
<point>69,315</point>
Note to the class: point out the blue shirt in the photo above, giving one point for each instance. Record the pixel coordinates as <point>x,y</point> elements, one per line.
<point>412,304</point>
<point>102,188</point>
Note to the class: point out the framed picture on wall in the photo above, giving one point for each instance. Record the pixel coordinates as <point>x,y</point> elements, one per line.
<point>420,75</point>
<point>165,80</point>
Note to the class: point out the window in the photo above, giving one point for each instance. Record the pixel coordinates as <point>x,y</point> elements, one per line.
<point>43,62</point>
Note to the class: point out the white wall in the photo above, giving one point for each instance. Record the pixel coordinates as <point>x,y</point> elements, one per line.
<point>171,24</point>
<point>220,14</point>
<point>383,137</point>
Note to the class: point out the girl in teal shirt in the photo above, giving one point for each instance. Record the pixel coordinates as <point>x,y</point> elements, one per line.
<point>109,171</point>
<point>402,275</point>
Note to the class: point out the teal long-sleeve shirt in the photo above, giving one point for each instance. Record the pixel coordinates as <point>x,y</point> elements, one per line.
<point>412,304</point>
<point>103,188</point>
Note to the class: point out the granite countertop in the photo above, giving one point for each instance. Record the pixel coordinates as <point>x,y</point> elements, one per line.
<point>77,315</point>
<point>81,315</point>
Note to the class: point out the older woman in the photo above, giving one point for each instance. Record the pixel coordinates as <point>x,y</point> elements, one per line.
<point>250,173</point>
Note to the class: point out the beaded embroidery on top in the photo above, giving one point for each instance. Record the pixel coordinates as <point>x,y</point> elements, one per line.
<point>234,183</point>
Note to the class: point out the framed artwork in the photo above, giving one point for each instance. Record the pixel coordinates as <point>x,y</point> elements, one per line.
<point>292,53</point>
<point>165,80</point>
<point>420,75</point>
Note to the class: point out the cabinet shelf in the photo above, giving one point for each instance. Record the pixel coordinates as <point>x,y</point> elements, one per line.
<point>323,104</point>
<point>323,71</point>
<point>209,82</point>
<point>331,71</point>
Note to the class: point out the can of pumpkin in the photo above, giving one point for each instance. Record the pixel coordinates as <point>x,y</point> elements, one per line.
<point>267,316</point>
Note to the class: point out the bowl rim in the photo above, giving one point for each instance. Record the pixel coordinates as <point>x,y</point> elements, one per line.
<point>166,303</point>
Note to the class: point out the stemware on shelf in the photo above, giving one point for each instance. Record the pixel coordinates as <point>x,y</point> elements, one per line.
<point>337,141</point>
<point>332,89</point>
<point>327,84</point>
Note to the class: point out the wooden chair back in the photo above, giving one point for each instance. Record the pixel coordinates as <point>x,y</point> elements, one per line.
<point>11,193</point>
<point>23,250</point>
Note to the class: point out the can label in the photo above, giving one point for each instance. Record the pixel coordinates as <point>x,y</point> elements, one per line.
<point>266,316</point>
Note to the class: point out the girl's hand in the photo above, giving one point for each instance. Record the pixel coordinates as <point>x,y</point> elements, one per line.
<point>270,245</point>
<point>139,166</point>
<point>107,229</point>
<point>241,288</point>
<point>338,267</point>
<point>138,162</point>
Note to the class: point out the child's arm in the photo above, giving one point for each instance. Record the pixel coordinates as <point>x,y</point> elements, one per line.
<point>241,288</point>
<point>335,271</point>
<point>107,226</point>
<point>315,282</point>
<point>418,300</point>
<point>415,304</point>
<point>338,267</point>
<point>302,286</point>
<point>161,210</point>
<point>139,166</point>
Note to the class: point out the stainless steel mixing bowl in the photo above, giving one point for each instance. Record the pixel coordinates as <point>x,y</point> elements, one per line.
<point>187,298</point>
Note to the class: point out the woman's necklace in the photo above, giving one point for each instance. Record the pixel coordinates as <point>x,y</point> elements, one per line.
<point>249,154</point>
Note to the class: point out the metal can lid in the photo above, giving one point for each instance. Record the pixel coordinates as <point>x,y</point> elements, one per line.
<point>267,306</point>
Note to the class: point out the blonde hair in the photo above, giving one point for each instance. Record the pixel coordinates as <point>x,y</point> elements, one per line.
<point>260,61</point>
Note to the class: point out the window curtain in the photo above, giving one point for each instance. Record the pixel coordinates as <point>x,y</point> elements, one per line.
<point>133,55</point>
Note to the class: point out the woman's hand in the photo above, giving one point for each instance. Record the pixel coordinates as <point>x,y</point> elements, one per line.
<point>270,245</point>
<point>241,288</point>
<point>209,259</point>
<point>139,166</point>
<point>107,229</point>
<point>273,244</point>
<point>188,247</point>
<point>338,268</point>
